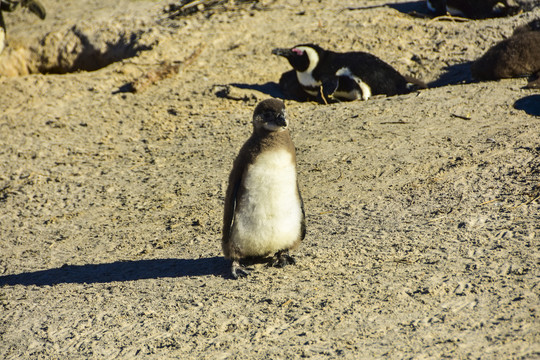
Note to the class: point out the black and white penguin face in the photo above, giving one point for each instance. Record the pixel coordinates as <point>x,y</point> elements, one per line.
<point>301,57</point>
<point>270,116</point>
<point>304,59</point>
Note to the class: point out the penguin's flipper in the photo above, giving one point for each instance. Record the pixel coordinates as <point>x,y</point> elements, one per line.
<point>230,207</point>
<point>303,223</point>
<point>231,198</point>
<point>329,86</point>
<point>35,7</point>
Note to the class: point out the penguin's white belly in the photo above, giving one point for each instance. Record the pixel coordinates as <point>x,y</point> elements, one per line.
<point>268,213</point>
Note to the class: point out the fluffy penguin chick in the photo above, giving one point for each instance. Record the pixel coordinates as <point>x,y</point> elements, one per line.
<point>264,212</point>
<point>344,76</point>
<point>519,55</point>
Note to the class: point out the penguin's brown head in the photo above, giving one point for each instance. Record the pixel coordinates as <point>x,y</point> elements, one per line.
<point>269,115</point>
<point>301,57</point>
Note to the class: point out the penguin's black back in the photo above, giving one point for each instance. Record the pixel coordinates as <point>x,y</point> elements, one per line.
<point>380,76</point>
<point>478,9</point>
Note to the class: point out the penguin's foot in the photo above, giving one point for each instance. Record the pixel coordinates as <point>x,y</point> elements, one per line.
<point>238,271</point>
<point>282,258</point>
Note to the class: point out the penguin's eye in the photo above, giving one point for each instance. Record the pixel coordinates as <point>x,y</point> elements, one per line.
<point>298,52</point>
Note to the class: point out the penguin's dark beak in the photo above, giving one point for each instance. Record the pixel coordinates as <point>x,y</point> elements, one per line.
<point>282,52</point>
<point>281,121</point>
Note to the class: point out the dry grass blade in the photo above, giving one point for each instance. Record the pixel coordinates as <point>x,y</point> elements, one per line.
<point>464,117</point>
<point>399,122</point>
<point>322,95</point>
<point>448,18</point>
<point>525,203</point>
<point>369,7</point>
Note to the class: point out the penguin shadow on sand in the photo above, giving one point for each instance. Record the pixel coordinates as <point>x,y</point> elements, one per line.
<point>530,104</point>
<point>288,88</point>
<point>454,74</point>
<point>120,271</point>
<point>414,8</point>
<point>270,88</point>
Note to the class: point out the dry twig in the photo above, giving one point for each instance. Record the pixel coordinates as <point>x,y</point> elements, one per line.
<point>464,117</point>
<point>322,95</point>
<point>525,203</point>
<point>448,18</point>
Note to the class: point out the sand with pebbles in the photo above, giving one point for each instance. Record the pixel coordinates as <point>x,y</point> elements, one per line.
<point>423,209</point>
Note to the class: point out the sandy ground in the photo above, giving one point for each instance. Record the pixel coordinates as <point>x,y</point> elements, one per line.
<point>422,209</point>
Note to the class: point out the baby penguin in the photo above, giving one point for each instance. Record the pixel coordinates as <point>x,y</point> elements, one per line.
<point>264,212</point>
<point>519,55</point>
<point>343,76</point>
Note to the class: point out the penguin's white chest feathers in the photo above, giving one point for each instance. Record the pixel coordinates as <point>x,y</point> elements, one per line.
<point>309,83</point>
<point>268,214</point>
<point>305,78</point>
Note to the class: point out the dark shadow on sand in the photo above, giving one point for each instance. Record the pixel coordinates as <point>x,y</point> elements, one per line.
<point>530,104</point>
<point>415,8</point>
<point>410,7</point>
<point>270,88</point>
<point>454,74</point>
<point>121,271</point>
